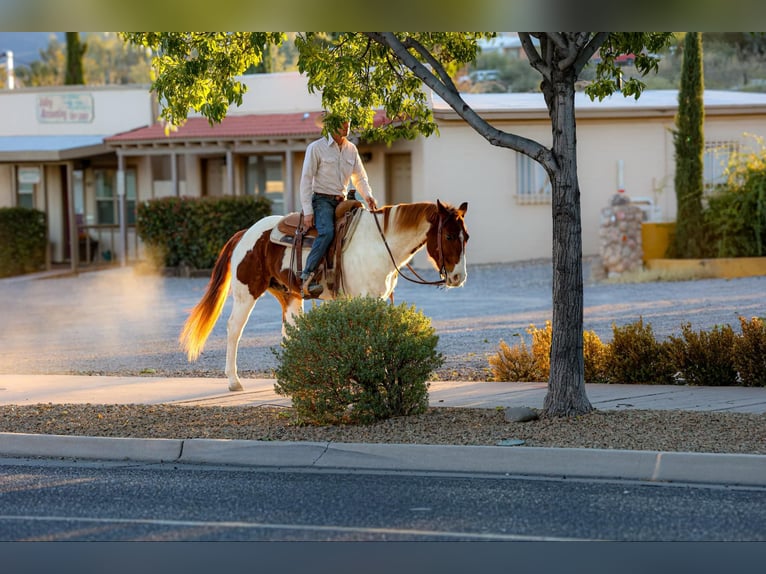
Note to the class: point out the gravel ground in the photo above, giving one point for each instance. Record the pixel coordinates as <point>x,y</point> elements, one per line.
<point>682,431</point>
<point>117,322</point>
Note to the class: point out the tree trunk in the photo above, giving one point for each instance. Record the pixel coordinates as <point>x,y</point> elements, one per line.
<point>566,387</point>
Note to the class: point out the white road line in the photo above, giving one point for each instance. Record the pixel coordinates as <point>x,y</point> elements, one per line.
<point>301,527</point>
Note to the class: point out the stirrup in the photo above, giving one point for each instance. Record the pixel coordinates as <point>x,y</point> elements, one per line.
<point>310,289</point>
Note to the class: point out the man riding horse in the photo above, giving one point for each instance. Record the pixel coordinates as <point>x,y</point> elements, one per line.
<point>330,163</point>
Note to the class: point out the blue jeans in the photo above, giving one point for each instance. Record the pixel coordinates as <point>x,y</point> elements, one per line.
<point>324,221</point>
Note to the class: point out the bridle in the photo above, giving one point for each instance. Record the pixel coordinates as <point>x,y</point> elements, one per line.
<point>439,251</point>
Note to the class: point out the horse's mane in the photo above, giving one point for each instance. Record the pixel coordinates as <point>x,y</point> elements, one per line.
<point>410,215</point>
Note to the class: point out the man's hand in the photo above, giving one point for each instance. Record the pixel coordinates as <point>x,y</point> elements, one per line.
<point>372,204</point>
<point>308,221</point>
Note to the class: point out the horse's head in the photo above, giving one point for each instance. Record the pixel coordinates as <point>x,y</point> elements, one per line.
<point>446,241</point>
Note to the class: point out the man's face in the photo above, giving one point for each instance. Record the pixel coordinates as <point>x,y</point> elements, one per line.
<point>343,130</point>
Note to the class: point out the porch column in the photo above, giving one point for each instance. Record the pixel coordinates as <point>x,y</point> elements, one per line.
<point>74,242</point>
<point>123,209</point>
<point>289,191</point>
<point>174,174</point>
<point>229,172</point>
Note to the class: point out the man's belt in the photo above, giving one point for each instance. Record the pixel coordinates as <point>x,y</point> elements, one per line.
<point>330,196</point>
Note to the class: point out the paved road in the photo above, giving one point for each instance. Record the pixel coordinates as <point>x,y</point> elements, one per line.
<point>112,502</point>
<point>117,322</point>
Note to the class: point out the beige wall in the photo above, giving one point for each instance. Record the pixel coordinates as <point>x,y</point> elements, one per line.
<point>460,165</point>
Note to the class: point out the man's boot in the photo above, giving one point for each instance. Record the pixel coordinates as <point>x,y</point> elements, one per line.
<point>310,288</point>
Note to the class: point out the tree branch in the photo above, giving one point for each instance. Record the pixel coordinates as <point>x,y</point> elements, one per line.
<point>535,60</point>
<point>452,97</point>
<point>590,48</point>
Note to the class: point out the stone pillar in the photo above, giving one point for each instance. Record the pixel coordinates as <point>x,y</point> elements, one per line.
<point>620,234</point>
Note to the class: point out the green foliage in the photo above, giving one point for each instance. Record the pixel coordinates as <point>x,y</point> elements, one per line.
<point>74,53</point>
<point>357,360</point>
<point>750,352</point>
<point>689,146</point>
<point>705,357</point>
<point>23,240</point>
<point>635,356</point>
<point>735,218</point>
<point>191,231</point>
<point>197,70</point>
<point>645,46</point>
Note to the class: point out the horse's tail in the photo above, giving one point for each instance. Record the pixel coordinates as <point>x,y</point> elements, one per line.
<point>205,313</point>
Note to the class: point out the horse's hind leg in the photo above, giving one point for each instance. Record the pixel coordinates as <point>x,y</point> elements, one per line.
<point>240,312</point>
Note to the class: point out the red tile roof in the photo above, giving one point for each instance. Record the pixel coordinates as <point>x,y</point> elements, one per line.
<point>234,126</point>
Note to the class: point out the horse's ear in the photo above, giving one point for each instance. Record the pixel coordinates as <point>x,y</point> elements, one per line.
<point>440,205</point>
<point>463,208</point>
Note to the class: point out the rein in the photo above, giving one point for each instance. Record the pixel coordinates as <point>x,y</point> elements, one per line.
<point>419,280</point>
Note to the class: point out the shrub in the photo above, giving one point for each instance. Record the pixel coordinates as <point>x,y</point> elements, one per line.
<point>515,364</point>
<point>519,363</point>
<point>735,218</point>
<point>357,360</point>
<point>705,357</point>
<point>594,355</point>
<point>23,240</point>
<point>635,356</point>
<point>541,348</point>
<point>750,352</point>
<point>191,231</point>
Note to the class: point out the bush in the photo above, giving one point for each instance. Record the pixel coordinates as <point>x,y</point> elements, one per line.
<point>23,240</point>
<point>595,355</point>
<point>705,357</point>
<point>750,352</point>
<point>518,363</point>
<point>635,356</point>
<point>515,364</point>
<point>735,218</point>
<point>357,360</point>
<point>191,231</point>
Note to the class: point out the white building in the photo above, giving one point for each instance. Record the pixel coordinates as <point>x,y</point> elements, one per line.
<point>61,150</point>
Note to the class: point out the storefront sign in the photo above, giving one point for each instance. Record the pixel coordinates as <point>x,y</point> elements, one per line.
<point>29,175</point>
<point>65,108</point>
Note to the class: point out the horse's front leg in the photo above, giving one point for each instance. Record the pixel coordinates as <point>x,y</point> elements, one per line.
<point>243,306</point>
<point>291,309</point>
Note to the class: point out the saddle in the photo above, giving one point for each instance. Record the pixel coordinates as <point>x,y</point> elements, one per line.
<point>289,233</point>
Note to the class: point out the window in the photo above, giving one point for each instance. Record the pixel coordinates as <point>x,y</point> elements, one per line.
<point>533,185</point>
<point>107,200</point>
<point>715,161</point>
<point>25,195</point>
<point>265,178</point>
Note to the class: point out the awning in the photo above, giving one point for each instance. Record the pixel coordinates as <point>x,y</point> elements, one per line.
<point>19,149</point>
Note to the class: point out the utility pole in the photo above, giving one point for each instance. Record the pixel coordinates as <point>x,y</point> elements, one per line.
<point>8,55</point>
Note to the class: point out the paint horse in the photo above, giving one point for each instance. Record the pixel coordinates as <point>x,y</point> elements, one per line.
<point>382,242</point>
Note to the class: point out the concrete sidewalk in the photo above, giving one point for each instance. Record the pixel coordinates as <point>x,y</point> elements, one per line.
<point>729,469</point>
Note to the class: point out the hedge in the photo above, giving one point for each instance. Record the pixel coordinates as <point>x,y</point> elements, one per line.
<point>23,240</point>
<point>191,231</point>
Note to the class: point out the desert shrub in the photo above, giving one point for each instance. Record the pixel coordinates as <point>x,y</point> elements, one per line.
<point>357,360</point>
<point>515,364</point>
<point>23,240</point>
<point>594,354</point>
<point>191,230</point>
<point>541,348</point>
<point>705,357</point>
<point>520,363</point>
<point>750,352</point>
<point>635,356</point>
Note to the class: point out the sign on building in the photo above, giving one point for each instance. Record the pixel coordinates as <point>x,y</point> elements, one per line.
<point>65,108</point>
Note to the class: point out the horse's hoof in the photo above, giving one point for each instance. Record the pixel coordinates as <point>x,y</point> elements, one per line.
<point>235,386</point>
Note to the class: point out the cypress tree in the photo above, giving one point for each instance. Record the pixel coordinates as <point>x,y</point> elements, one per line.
<point>689,142</point>
<point>74,52</point>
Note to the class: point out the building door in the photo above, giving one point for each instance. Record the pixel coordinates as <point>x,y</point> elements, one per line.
<point>398,178</point>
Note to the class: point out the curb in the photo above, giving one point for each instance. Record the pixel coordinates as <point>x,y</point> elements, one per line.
<point>648,466</point>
